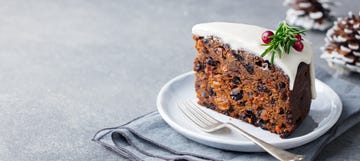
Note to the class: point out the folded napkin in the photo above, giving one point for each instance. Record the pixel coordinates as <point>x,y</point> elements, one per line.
<point>149,138</point>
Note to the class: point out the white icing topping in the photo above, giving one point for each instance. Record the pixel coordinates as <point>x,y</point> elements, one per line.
<point>248,37</point>
<point>315,15</point>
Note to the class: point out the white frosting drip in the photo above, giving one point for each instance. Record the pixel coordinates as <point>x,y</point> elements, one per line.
<point>248,37</point>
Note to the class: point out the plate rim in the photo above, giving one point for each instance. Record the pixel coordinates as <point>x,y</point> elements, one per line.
<point>301,140</point>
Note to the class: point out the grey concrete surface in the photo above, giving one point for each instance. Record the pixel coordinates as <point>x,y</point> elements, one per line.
<point>69,68</point>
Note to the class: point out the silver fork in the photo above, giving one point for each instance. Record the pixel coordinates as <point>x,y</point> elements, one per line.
<point>209,124</point>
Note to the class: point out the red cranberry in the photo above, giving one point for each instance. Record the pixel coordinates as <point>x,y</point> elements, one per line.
<point>298,46</point>
<point>265,37</point>
<point>298,37</point>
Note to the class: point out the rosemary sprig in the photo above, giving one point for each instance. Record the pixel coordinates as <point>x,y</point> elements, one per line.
<point>282,41</point>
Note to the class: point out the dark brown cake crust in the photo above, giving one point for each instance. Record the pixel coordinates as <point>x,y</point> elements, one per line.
<point>244,86</point>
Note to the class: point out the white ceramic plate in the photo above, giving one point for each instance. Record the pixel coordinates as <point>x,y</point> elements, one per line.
<point>324,112</point>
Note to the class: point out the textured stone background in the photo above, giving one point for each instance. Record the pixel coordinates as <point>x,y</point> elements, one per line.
<point>69,68</point>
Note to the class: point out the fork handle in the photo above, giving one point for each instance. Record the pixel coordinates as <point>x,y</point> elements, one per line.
<point>271,149</point>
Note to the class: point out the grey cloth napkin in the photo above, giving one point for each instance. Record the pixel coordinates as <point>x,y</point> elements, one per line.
<point>149,138</point>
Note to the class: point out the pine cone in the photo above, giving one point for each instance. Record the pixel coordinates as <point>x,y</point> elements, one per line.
<point>342,47</point>
<point>309,14</point>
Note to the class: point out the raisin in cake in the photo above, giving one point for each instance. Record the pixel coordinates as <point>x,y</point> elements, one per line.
<point>233,79</point>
